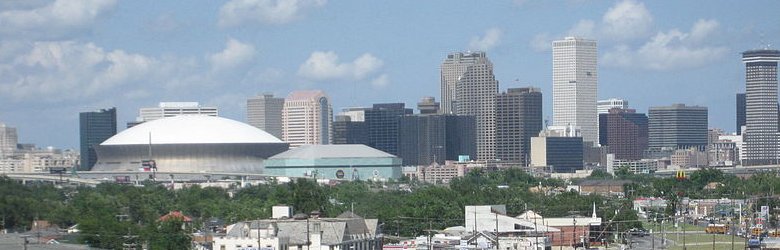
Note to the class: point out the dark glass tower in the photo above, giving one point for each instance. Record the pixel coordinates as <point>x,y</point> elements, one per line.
<point>382,122</point>
<point>740,112</point>
<point>423,139</point>
<point>518,118</point>
<point>94,128</point>
<point>346,131</point>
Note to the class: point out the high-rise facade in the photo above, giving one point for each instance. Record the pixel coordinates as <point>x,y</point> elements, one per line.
<point>603,106</point>
<point>518,118</point>
<point>94,128</point>
<point>265,112</point>
<point>346,131</point>
<point>8,140</point>
<point>625,132</point>
<point>575,84</point>
<point>468,87</point>
<point>424,139</point>
<point>677,127</point>
<point>761,112</point>
<point>740,112</point>
<point>382,122</point>
<point>307,118</point>
<point>170,109</point>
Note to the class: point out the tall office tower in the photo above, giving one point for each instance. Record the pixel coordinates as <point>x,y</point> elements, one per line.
<point>625,132</point>
<point>761,132</point>
<point>8,140</point>
<point>575,83</point>
<point>518,118</point>
<point>740,112</point>
<point>428,106</point>
<point>603,106</point>
<point>265,112</point>
<point>677,127</point>
<point>94,128</point>
<point>346,131</point>
<point>382,121</point>
<point>307,118</point>
<point>424,139</point>
<point>468,87</point>
<point>170,109</point>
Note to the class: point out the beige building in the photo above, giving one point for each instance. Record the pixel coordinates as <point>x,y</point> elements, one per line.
<point>469,87</point>
<point>306,118</point>
<point>170,109</point>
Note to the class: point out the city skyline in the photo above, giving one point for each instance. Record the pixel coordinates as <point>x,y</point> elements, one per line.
<point>126,55</point>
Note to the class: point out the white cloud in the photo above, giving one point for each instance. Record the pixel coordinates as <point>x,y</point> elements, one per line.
<point>326,66</point>
<point>53,71</point>
<point>583,28</point>
<point>236,12</point>
<point>491,39</point>
<point>55,19</point>
<point>541,42</point>
<point>627,20</point>
<point>235,54</point>
<point>703,29</point>
<point>381,81</point>
<point>670,50</point>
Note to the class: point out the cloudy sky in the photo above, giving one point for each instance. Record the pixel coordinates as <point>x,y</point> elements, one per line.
<point>62,57</point>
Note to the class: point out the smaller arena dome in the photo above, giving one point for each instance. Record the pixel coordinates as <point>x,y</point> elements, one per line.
<point>195,143</point>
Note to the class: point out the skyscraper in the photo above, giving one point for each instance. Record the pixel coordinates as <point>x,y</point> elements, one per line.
<point>265,112</point>
<point>347,131</point>
<point>625,132</point>
<point>761,132</point>
<point>740,112</point>
<point>518,118</point>
<point>424,139</point>
<point>677,127</point>
<point>94,128</point>
<point>382,122</point>
<point>468,87</point>
<point>8,140</point>
<point>306,118</point>
<point>575,84</point>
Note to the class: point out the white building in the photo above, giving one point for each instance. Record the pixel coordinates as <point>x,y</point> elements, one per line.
<point>575,84</point>
<point>307,118</point>
<point>170,109</point>
<point>469,87</point>
<point>355,114</point>
<point>265,112</point>
<point>604,106</point>
<point>761,135</point>
<point>38,160</point>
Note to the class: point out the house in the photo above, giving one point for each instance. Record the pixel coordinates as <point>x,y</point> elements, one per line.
<point>347,231</point>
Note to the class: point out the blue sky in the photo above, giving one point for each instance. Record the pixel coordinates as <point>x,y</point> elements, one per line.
<point>62,57</point>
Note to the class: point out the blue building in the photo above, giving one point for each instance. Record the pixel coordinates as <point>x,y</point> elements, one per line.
<point>94,128</point>
<point>345,161</point>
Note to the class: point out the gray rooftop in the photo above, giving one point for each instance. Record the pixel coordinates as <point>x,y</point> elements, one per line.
<point>332,151</point>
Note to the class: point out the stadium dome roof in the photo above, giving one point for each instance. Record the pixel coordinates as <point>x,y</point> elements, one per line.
<point>191,129</point>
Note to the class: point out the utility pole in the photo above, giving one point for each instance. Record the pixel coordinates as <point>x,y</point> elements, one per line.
<point>26,241</point>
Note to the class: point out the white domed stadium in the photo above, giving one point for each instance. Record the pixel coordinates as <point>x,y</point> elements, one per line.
<point>196,144</point>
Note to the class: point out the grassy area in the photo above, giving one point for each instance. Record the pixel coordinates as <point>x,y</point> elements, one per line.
<point>704,241</point>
